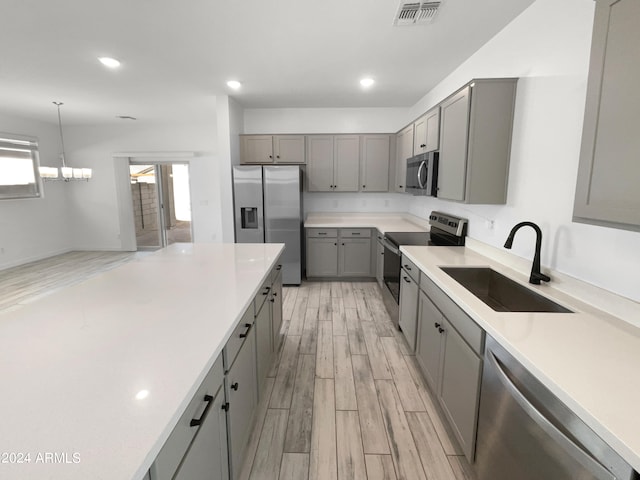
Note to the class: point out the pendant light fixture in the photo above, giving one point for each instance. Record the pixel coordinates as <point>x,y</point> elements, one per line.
<point>66,173</point>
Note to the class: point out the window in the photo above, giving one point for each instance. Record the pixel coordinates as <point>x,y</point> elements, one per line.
<point>18,167</point>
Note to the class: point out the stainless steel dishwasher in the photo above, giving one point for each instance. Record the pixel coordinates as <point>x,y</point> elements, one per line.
<point>527,433</point>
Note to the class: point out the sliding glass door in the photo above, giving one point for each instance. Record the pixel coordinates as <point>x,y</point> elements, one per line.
<point>161,203</point>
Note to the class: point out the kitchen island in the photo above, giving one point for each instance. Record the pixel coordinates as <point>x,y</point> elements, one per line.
<point>588,358</point>
<point>96,376</point>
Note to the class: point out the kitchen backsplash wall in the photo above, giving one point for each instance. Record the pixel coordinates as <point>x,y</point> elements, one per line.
<point>356,202</point>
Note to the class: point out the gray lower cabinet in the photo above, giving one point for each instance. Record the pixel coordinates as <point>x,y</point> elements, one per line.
<point>264,340</point>
<point>344,252</point>
<point>198,441</point>
<point>379,259</point>
<point>449,352</point>
<point>354,257</point>
<point>475,142</point>
<point>241,389</point>
<point>408,316</point>
<point>276,310</point>
<point>208,457</point>
<point>607,190</point>
<point>429,341</point>
<point>322,257</point>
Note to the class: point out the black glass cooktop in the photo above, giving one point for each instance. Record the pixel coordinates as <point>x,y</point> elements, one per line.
<point>408,238</point>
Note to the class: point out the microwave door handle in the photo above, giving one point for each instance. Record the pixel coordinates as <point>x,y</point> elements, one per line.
<point>422,164</point>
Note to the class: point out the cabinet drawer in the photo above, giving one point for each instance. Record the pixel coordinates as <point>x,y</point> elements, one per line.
<point>410,268</point>
<point>322,232</point>
<point>466,327</point>
<point>178,442</point>
<point>262,295</point>
<point>355,232</point>
<point>234,343</point>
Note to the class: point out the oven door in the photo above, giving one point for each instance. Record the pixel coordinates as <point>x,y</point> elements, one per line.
<point>391,271</point>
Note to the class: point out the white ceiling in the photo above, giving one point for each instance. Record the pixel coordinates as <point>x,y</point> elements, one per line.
<point>177,55</point>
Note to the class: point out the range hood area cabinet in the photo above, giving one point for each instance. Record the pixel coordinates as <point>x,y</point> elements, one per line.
<point>475,142</point>
<point>268,149</point>
<point>404,150</point>
<point>607,185</point>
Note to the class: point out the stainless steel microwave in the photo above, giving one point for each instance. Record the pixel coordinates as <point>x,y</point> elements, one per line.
<point>422,174</point>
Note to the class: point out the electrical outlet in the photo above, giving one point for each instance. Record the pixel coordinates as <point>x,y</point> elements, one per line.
<point>1,250</point>
<point>386,203</point>
<point>335,204</point>
<point>489,224</point>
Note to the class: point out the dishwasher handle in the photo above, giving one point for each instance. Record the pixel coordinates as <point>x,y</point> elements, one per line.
<point>572,449</point>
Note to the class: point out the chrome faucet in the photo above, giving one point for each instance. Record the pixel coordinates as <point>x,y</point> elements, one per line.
<point>536,276</point>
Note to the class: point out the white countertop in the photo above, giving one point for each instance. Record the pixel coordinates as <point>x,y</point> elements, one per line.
<point>589,359</point>
<point>72,363</point>
<point>384,222</point>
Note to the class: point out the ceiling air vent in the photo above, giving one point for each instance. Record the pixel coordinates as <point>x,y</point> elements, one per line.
<point>414,13</point>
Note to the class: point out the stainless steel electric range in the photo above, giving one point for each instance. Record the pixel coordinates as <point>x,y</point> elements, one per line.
<point>445,230</point>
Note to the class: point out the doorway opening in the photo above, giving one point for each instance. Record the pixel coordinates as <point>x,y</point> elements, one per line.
<point>161,204</point>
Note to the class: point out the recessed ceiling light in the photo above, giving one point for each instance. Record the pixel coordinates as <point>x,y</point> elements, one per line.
<point>126,117</point>
<point>234,84</point>
<point>367,82</point>
<point>109,62</point>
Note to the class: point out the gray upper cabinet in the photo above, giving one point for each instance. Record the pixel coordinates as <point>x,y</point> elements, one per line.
<point>256,149</point>
<point>475,142</point>
<point>426,131</point>
<point>346,163</point>
<point>374,164</point>
<point>333,163</point>
<point>404,150</point>
<point>320,163</point>
<point>607,190</point>
<point>263,149</point>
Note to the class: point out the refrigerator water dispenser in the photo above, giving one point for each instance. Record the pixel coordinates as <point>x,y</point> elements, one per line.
<point>249,217</point>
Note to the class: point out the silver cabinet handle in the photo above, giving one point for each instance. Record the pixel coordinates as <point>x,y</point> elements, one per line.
<point>422,164</point>
<point>577,453</point>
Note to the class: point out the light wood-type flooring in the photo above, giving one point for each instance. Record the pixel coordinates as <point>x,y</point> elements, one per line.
<point>345,400</point>
<point>30,281</point>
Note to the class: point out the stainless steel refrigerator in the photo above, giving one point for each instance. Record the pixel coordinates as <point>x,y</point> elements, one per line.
<point>267,203</point>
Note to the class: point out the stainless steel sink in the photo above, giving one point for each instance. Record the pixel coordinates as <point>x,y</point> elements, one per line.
<point>501,293</point>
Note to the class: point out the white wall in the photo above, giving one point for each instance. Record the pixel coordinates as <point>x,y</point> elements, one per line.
<point>323,120</point>
<point>35,228</point>
<point>95,204</point>
<point>548,48</point>
<point>230,126</point>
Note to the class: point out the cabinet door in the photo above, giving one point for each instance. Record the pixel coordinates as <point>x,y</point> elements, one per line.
<point>429,341</point>
<point>408,316</point>
<point>374,171</point>
<point>404,150</point>
<point>322,257</point>
<point>207,457</point>
<point>461,372</point>
<point>452,167</point>
<point>264,348</point>
<point>432,134</point>
<point>289,148</point>
<point>380,262</point>
<point>607,189</point>
<point>276,311</point>
<point>420,135</point>
<point>354,257</point>
<point>241,386</point>
<point>257,149</point>
<point>320,163</point>
<point>346,163</point>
